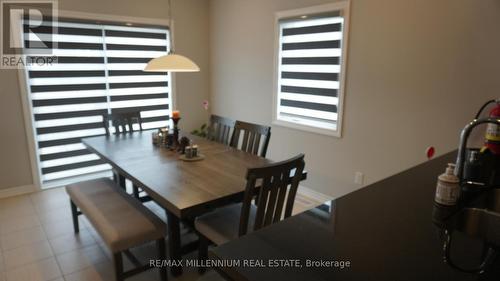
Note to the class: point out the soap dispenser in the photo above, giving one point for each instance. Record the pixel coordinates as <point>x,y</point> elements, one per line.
<point>448,188</point>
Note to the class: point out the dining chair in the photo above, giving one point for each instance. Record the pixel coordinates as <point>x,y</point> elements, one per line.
<point>123,122</point>
<point>275,185</point>
<point>251,140</point>
<point>220,129</point>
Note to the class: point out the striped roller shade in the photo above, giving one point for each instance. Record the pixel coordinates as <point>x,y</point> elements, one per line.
<point>98,71</point>
<point>309,70</point>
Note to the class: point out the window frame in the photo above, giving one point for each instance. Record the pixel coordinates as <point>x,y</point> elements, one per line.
<point>344,8</point>
<point>27,106</point>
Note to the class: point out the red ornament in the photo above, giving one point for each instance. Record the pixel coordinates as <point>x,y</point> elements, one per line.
<point>430,152</point>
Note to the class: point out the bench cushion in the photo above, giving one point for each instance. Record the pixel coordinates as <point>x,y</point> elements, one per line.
<point>122,221</point>
<point>222,225</point>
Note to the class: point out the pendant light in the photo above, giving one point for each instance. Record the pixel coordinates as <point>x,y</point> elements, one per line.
<point>171,62</point>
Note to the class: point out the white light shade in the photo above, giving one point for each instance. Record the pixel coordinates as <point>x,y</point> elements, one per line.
<point>172,63</point>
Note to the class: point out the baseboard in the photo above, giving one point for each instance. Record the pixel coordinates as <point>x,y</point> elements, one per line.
<point>313,194</point>
<point>18,190</point>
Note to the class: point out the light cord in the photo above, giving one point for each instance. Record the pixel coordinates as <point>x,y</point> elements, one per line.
<point>171,51</point>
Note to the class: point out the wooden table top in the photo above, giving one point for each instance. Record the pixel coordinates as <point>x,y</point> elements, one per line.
<point>184,188</point>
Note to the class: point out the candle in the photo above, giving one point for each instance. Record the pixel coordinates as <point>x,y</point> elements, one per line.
<point>176,114</point>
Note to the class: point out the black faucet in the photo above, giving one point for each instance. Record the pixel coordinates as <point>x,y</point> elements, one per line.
<point>464,136</point>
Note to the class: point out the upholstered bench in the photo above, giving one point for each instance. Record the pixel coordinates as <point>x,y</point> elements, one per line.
<point>122,222</point>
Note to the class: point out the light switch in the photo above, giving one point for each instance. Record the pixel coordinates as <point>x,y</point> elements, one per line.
<point>359,178</point>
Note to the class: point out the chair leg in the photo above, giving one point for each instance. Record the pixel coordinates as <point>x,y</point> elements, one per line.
<point>202,252</point>
<point>74,214</point>
<point>136,191</point>
<point>160,244</point>
<point>256,201</point>
<point>122,181</point>
<point>118,263</point>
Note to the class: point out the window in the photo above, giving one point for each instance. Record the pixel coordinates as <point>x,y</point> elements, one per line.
<point>98,71</point>
<point>310,68</point>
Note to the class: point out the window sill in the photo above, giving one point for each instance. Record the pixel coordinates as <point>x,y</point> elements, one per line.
<point>69,180</point>
<point>309,129</point>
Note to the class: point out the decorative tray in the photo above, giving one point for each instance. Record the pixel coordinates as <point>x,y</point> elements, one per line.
<point>197,158</point>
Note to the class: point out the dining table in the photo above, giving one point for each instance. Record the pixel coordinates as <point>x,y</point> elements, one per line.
<point>184,189</point>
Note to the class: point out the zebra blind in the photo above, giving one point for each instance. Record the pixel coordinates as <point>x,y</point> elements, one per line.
<point>309,70</point>
<point>98,70</point>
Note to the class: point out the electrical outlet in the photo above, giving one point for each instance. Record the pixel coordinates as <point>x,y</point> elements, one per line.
<point>359,178</point>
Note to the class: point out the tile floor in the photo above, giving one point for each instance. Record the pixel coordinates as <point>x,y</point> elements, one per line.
<point>37,242</point>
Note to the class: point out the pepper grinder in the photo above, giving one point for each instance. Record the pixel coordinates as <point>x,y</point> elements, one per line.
<point>176,131</point>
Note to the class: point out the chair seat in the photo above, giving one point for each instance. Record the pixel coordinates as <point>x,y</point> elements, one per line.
<point>121,220</point>
<point>222,225</point>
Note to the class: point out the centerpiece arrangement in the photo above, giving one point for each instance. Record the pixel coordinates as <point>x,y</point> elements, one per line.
<point>171,140</point>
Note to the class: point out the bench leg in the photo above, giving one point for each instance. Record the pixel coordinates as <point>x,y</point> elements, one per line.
<point>74,213</point>
<point>202,252</point>
<point>160,244</point>
<point>122,182</point>
<point>118,263</point>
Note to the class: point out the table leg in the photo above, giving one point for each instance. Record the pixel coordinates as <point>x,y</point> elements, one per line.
<point>174,241</point>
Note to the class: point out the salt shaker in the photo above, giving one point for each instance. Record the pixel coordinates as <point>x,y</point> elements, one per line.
<point>188,152</point>
<point>194,148</point>
<point>155,138</point>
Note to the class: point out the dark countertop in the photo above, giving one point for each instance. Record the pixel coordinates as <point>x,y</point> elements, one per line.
<point>384,230</point>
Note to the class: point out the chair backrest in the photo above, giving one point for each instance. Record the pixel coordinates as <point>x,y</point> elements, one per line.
<point>220,129</point>
<point>252,135</point>
<point>275,189</point>
<point>123,122</point>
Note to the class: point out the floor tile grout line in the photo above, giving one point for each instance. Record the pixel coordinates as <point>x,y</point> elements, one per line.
<point>20,230</point>
<point>16,218</point>
<point>92,266</point>
<point>83,246</point>
<point>34,262</point>
<point>34,204</point>
<point>57,262</point>
<point>50,244</point>
<point>60,254</point>
<point>17,231</point>
<point>24,245</point>
<point>84,268</point>
<point>60,268</point>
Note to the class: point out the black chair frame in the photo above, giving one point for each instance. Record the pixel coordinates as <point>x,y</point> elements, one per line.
<point>252,134</point>
<point>123,123</point>
<point>220,129</point>
<point>275,186</point>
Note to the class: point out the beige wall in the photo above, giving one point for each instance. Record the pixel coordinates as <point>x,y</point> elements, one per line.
<point>429,63</point>
<point>191,39</point>
<point>417,71</point>
<point>14,161</point>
